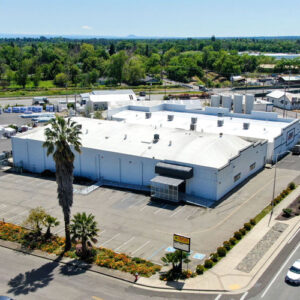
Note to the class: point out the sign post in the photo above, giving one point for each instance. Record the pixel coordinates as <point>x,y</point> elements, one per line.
<point>181,243</point>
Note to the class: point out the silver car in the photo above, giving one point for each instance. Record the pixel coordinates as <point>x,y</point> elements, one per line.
<point>293,274</point>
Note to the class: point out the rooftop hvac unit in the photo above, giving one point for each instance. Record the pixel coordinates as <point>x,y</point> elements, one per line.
<point>148,115</point>
<point>220,123</point>
<point>246,126</point>
<point>193,127</point>
<point>170,117</point>
<point>194,120</point>
<point>156,137</point>
<point>220,115</point>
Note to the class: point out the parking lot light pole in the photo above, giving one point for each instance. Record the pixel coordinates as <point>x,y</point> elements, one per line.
<point>274,184</point>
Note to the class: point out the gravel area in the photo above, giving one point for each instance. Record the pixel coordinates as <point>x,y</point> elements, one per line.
<point>253,257</point>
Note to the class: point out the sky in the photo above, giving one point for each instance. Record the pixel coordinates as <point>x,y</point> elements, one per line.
<point>158,18</point>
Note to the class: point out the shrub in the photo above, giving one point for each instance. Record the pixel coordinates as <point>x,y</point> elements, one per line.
<point>243,231</point>
<point>199,269</point>
<point>292,186</point>
<point>287,212</point>
<point>214,257</point>
<point>232,241</point>
<point>221,251</point>
<point>285,192</point>
<point>247,226</point>
<point>208,263</point>
<point>237,235</point>
<point>252,222</point>
<point>226,244</point>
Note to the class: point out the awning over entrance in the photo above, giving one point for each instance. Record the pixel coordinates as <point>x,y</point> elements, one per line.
<point>170,170</point>
<point>167,180</point>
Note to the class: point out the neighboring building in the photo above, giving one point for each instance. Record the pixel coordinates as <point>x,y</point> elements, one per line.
<point>284,100</point>
<point>238,79</point>
<point>281,133</point>
<point>175,164</point>
<point>289,80</point>
<point>104,99</point>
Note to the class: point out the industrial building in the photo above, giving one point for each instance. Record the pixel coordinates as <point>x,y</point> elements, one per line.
<point>284,100</point>
<point>104,99</point>
<point>174,164</point>
<point>281,133</point>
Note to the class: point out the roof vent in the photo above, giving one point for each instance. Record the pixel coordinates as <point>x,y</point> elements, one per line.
<point>125,136</point>
<point>246,126</point>
<point>221,134</point>
<point>194,120</point>
<point>193,127</point>
<point>220,123</point>
<point>87,131</point>
<point>170,117</point>
<point>148,115</point>
<point>170,143</point>
<point>156,138</point>
<point>220,115</point>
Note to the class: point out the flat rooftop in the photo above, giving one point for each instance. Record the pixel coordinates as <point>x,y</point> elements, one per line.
<point>174,145</point>
<point>259,129</point>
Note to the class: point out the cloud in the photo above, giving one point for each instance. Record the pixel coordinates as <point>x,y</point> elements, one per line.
<point>86,27</point>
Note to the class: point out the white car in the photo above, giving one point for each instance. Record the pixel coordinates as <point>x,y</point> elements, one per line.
<point>293,274</point>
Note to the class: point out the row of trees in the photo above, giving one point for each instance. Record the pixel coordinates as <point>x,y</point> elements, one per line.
<point>73,62</point>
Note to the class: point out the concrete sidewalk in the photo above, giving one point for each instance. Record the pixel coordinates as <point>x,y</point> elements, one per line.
<point>254,253</point>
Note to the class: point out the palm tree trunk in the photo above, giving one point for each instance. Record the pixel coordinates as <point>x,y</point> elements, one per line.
<point>67,231</point>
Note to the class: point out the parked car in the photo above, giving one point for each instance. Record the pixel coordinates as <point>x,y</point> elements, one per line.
<point>40,100</point>
<point>142,94</point>
<point>296,149</point>
<point>293,274</point>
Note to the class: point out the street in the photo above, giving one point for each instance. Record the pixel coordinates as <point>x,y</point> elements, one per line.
<point>24,276</point>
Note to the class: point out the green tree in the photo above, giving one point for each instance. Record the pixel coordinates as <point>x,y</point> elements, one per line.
<point>21,76</point>
<point>116,66</point>
<point>36,78</point>
<point>74,74</point>
<point>134,70</point>
<point>112,49</point>
<point>61,80</point>
<point>36,220</point>
<point>84,228</point>
<point>50,222</point>
<point>60,136</point>
<point>174,258</point>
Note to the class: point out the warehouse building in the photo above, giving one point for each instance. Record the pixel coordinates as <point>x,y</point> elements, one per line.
<point>104,99</point>
<point>174,164</point>
<point>284,100</point>
<point>281,133</point>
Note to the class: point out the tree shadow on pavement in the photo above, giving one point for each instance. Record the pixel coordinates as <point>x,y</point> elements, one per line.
<point>75,267</point>
<point>32,280</point>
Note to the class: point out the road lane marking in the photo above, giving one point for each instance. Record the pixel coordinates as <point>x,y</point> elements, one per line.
<point>280,270</point>
<point>244,296</point>
<point>178,211</point>
<point>138,249</point>
<point>10,211</point>
<point>125,243</point>
<point>218,297</point>
<point>20,214</point>
<point>110,239</point>
<point>293,236</point>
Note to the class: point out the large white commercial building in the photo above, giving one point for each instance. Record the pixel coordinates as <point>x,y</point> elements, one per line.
<point>284,100</point>
<point>281,133</point>
<point>174,164</point>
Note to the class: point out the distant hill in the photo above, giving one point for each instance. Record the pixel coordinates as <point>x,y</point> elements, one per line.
<point>132,36</point>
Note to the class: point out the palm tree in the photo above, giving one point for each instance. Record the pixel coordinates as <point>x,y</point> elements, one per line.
<point>60,136</point>
<point>50,222</point>
<point>84,228</point>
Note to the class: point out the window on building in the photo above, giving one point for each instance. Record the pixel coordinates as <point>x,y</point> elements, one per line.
<point>252,166</point>
<point>237,177</point>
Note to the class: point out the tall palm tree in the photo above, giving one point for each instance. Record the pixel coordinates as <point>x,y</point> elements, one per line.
<point>84,228</point>
<point>60,137</point>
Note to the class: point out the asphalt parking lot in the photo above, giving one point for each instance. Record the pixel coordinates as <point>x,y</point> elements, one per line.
<point>131,223</point>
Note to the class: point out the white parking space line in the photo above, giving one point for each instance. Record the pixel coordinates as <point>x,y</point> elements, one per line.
<point>160,209</point>
<point>292,237</point>
<point>141,247</point>
<point>60,230</point>
<point>280,270</point>
<point>177,212</point>
<point>136,203</point>
<point>144,207</point>
<point>110,239</point>
<point>10,211</point>
<point>192,213</point>
<point>3,206</point>
<point>244,296</point>
<point>125,243</point>
<point>17,215</point>
<point>218,297</point>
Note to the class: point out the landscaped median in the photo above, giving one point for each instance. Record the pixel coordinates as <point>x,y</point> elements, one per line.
<point>221,251</point>
<point>55,245</point>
